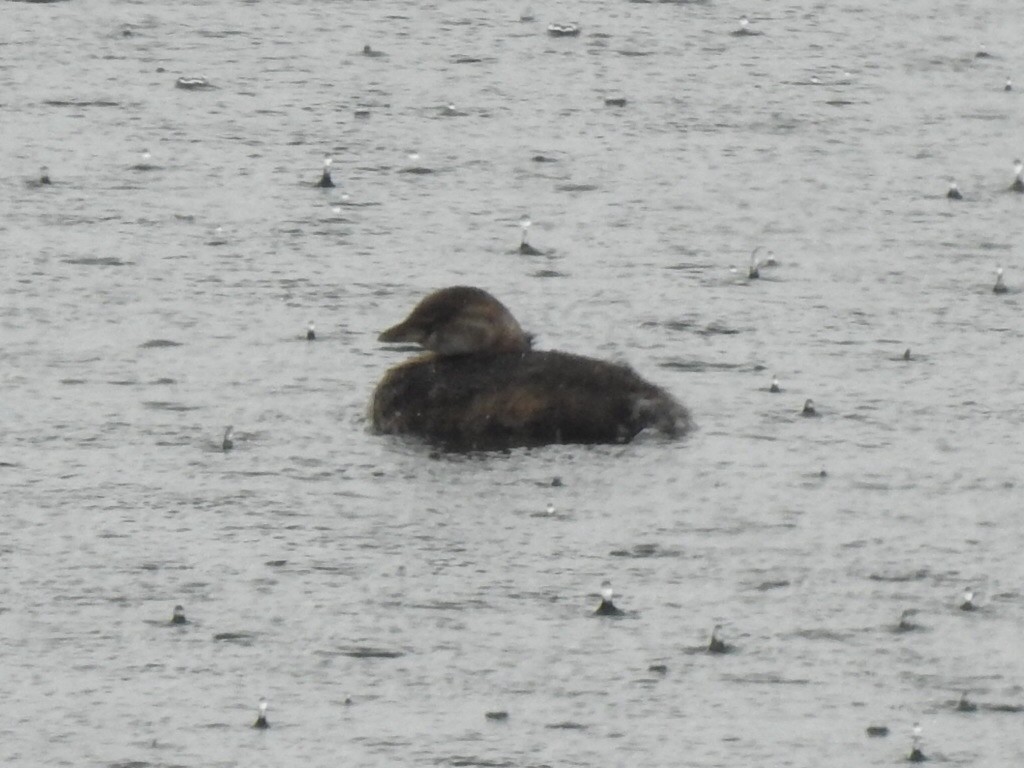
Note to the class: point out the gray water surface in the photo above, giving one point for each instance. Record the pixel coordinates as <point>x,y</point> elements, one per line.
<point>384,598</point>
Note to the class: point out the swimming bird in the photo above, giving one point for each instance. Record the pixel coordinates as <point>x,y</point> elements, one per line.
<point>1018,180</point>
<point>775,385</point>
<point>906,354</point>
<point>954,192</point>
<point>607,607</point>
<point>808,409</point>
<point>484,387</point>
<point>1000,286</point>
<point>261,718</point>
<point>227,444</point>
<point>550,509</point>
<point>325,177</point>
<point>524,247</point>
<point>717,644</point>
<point>615,101</point>
<point>178,617</point>
<point>368,51</point>
<point>449,110</point>
<point>1009,85</point>
<point>968,603</point>
<point>310,332</point>
<point>44,175</point>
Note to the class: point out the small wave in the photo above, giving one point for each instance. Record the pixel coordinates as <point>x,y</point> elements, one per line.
<point>718,329</point>
<point>194,84</point>
<point>159,343</point>
<point>75,102</point>
<point>918,575</point>
<point>644,551</point>
<point>221,33</point>
<point>699,366</point>
<point>161,405</point>
<point>674,325</point>
<point>821,634</point>
<point>365,652</point>
<point>764,586</point>
<point>576,187</point>
<point>764,678</point>
<point>241,638</point>
<point>98,261</point>
<point>1010,708</point>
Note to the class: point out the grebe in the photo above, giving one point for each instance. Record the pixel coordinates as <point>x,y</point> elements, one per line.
<point>482,387</point>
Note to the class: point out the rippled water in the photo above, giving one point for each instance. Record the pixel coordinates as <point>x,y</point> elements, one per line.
<point>384,599</point>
